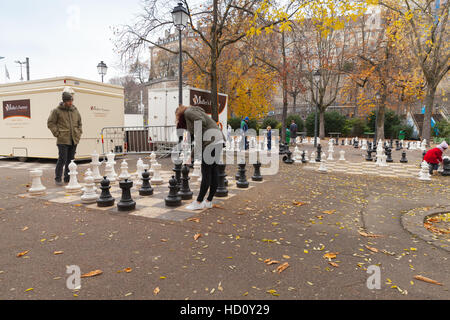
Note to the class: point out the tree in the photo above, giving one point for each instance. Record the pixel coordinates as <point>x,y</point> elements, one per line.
<point>425,29</point>
<point>132,92</point>
<point>218,24</point>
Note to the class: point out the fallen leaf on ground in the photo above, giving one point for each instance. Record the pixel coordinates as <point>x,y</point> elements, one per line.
<point>372,248</point>
<point>369,235</point>
<point>283,267</point>
<point>92,273</point>
<point>298,203</point>
<point>422,278</point>
<point>196,236</point>
<point>330,255</point>
<point>217,206</point>
<point>270,261</point>
<point>58,252</point>
<point>127,270</point>
<point>24,228</point>
<point>194,220</point>
<point>329,211</point>
<point>22,253</point>
<point>334,264</point>
<point>156,291</point>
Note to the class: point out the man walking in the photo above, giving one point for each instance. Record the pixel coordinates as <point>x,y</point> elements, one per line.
<point>65,124</point>
<point>244,129</point>
<point>293,129</point>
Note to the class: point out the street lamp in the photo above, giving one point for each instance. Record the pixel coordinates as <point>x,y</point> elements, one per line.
<point>316,76</point>
<point>102,68</point>
<point>180,18</point>
<point>378,98</point>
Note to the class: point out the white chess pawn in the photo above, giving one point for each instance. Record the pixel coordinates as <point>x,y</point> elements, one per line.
<point>346,142</point>
<point>342,155</point>
<point>139,170</point>
<point>383,161</point>
<point>197,170</point>
<point>95,167</point>
<point>156,179</point>
<point>330,155</point>
<point>89,190</point>
<point>110,173</point>
<point>73,185</point>
<point>323,167</point>
<point>124,170</point>
<point>424,173</point>
<point>37,187</point>
<point>313,157</point>
<point>306,156</point>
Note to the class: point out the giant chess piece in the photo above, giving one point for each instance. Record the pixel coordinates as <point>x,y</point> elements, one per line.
<point>197,170</point>
<point>222,190</point>
<point>403,159</point>
<point>110,156</point>
<point>105,200</point>
<point>323,167</point>
<point>355,143</point>
<point>330,156</point>
<point>95,167</point>
<point>124,174</point>
<point>389,155</point>
<point>173,199</point>
<point>185,192</point>
<point>397,145</point>
<point>342,142</point>
<point>177,170</point>
<point>242,182</point>
<point>288,157</point>
<point>139,171</point>
<point>146,189</point>
<point>319,153</point>
<point>342,155</point>
<point>257,172</point>
<point>313,157</point>
<point>156,179</point>
<point>446,167</point>
<point>369,155</point>
<point>126,203</point>
<point>37,188</point>
<point>73,186</point>
<point>109,172</point>
<point>304,156</point>
<point>424,173</point>
<point>89,190</point>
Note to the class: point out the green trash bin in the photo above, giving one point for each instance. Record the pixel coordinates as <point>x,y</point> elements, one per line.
<point>401,135</point>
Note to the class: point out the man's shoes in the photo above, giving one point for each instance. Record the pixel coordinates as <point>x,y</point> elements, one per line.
<point>207,204</point>
<point>195,205</point>
<point>59,183</point>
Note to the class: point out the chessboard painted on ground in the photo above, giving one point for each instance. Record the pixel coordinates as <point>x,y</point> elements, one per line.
<point>146,206</point>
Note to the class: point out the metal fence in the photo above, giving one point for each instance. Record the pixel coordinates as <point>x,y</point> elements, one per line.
<point>139,139</point>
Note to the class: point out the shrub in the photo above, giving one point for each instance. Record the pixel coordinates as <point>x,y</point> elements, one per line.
<point>235,123</point>
<point>272,122</point>
<point>390,121</point>
<point>354,127</point>
<point>402,127</point>
<point>444,130</point>
<point>334,122</point>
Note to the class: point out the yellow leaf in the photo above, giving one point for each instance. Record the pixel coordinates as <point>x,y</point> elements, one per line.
<point>22,253</point>
<point>92,273</point>
<point>58,252</point>
<point>156,291</point>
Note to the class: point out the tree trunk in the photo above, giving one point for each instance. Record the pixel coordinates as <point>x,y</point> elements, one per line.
<point>284,80</point>
<point>321,123</point>
<point>380,121</point>
<point>214,52</point>
<point>429,104</point>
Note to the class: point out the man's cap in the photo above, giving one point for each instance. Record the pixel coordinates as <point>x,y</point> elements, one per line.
<point>67,96</point>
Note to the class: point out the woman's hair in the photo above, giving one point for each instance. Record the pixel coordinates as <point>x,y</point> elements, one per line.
<point>180,119</point>
<point>269,127</point>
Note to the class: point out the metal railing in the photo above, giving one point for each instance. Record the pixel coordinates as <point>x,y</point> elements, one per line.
<point>139,139</point>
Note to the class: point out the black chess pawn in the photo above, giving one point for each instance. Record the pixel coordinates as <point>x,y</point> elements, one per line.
<point>319,153</point>
<point>342,142</point>
<point>303,156</point>
<point>185,192</point>
<point>397,145</point>
<point>391,142</point>
<point>369,155</point>
<point>403,159</point>
<point>408,145</point>
<point>336,142</point>
<point>257,172</point>
<point>446,167</point>
<point>242,182</point>
<point>177,169</point>
<point>222,190</point>
<point>389,155</point>
<point>173,199</point>
<point>126,203</point>
<point>105,199</point>
<point>288,157</point>
<point>146,189</point>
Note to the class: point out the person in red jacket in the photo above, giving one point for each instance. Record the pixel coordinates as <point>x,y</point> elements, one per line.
<point>434,156</point>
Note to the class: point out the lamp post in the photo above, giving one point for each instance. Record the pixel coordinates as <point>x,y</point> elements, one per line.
<point>180,19</point>
<point>377,97</point>
<point>316,77</point>
<point>102,68</point>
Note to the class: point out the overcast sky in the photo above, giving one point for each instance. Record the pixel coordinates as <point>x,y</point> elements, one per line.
<point>61,37</point>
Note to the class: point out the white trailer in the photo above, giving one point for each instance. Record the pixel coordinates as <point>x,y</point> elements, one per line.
<point>134,120</point>
<point>162,103</point>
<point>26,107</point>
